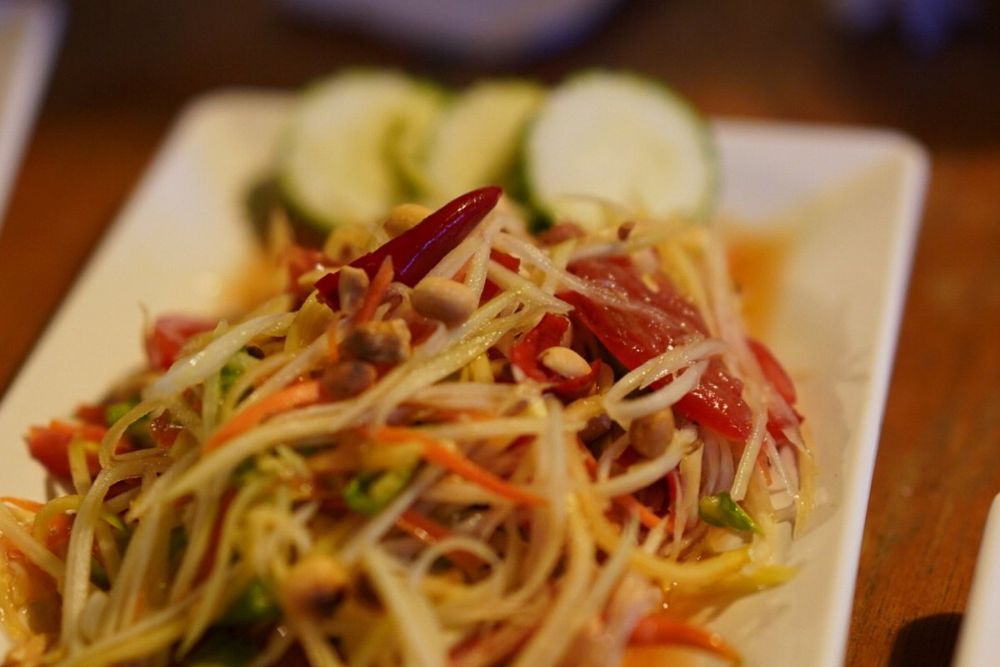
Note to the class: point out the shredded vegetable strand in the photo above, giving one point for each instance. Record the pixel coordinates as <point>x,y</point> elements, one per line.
<point>77,582</point>
<point>215,588</point>
<point>643,474</point>
<point>23,540</point>
<point>626,411</point>
<point>195,368</point>
<point>511,493</point>
<point>564,619</point>
<point>299,365</point>
<point>422,638</point>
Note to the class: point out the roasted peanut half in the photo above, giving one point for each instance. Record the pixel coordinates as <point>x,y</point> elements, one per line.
<point>314,586</point>
<point>348,378</point>
<point>651,434</point>
<point>404,217</point>
<point>378,342</point>
<point>445,300</point>
<point>352,287</point>
<point>564,362</point>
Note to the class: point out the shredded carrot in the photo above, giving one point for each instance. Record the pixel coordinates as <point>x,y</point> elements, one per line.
<point>429,531</point>
<point>647,517</point>
<point>208,558</point>
<point>436,452</point>
<point>663,629</point>
<point>293,396</point>
<point>29,505</point>
<point>376,292</point>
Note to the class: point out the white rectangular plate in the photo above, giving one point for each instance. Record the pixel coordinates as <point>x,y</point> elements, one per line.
<point>848,199</point>
<point>29,31</point>
<point>979,643</point>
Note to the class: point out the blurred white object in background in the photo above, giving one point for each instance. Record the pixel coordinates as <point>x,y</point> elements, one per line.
<point>489,30</point>
<point>29,31</point>
<point>979,641</point>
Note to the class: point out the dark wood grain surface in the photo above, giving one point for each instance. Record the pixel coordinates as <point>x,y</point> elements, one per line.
<point>126,69</point>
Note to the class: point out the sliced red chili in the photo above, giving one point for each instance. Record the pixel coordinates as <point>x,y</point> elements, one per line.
<point>548,333</point>
<point>418,250</point>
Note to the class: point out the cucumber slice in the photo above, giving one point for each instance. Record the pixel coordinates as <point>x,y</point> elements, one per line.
<point>345,155</point>
<point>476,139</point>
<point>604,140</point>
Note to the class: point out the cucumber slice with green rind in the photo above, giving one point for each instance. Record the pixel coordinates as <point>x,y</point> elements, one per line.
<point>477,138</point>
<point>607,141</point>
<point>344,157</point>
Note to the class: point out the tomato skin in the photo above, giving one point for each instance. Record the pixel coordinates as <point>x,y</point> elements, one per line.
<point>49,445</point>
<point>167,336</point>
<point>658,321</point>
<point>717,403</point>
<point>773,371</point>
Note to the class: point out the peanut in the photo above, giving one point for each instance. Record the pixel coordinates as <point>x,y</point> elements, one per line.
<point>445,300</point>
<point>352,287</point>
<point>314,586</point>
<point>347,378</point>
<point>651,434</point>
<point>564,362</point>
<point>404,217</point>
<point>380,342</point>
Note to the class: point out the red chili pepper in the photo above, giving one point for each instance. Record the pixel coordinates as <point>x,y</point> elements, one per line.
<point>549,333</point>
<point>661,320</point>
<point>416,251</point>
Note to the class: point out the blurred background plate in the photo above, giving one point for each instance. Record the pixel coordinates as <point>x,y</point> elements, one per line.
<point>979,643</point>
<point>485,30</point>
<point>29,32</point>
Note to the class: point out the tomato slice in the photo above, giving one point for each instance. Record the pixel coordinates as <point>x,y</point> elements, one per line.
<point>168,335</point>
<point>773,371</point>
<point>49,445</point>
<point>661,320</point>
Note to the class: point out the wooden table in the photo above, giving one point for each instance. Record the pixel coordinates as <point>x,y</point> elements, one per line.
<point>126,69</point>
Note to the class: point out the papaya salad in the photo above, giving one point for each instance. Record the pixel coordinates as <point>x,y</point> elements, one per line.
<point>458,444</point>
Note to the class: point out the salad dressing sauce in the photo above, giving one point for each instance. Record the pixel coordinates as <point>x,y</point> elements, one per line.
<point>756,263</point>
